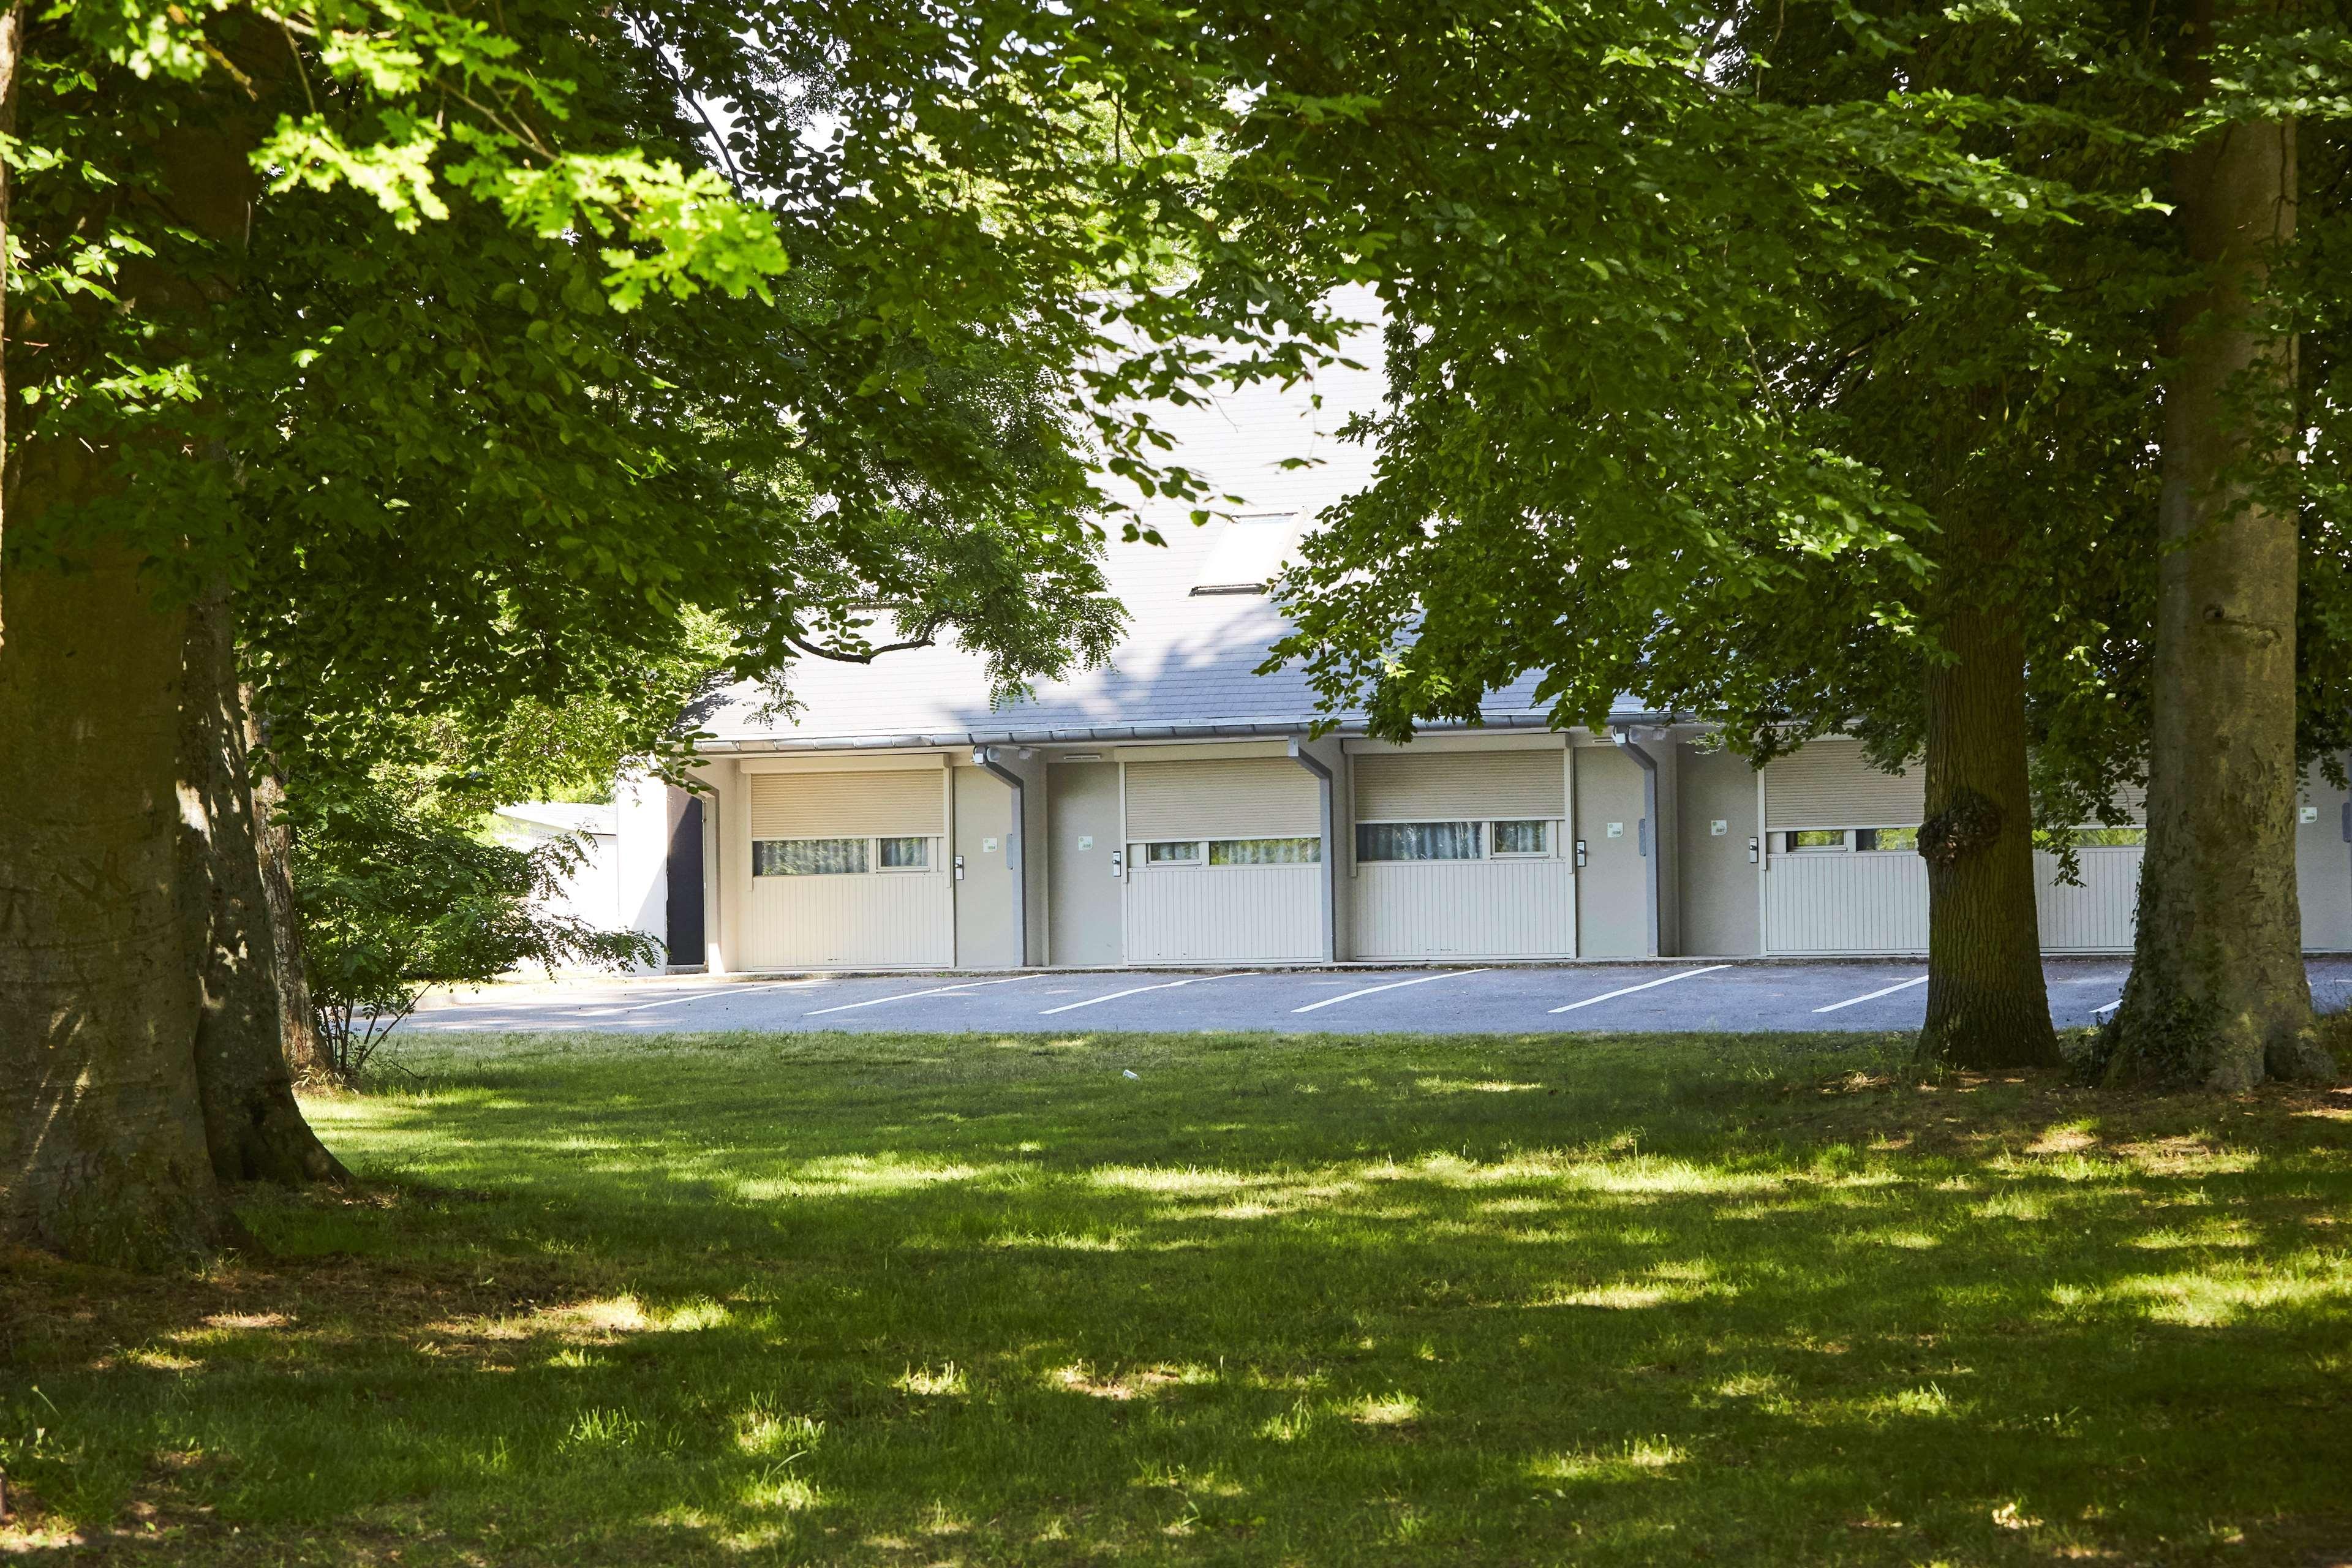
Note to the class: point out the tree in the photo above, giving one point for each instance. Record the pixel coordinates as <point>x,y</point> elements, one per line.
<point>442,348</point>
<point>1737,360</point>
<point>2218,995</point>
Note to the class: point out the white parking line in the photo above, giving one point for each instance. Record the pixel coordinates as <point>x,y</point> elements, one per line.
<point>1133,990</point>
<point>1645,986</point>
<point>1872,996</point>
<point>709,991</point>
<point>910,996</point>
<point>1392,985</point>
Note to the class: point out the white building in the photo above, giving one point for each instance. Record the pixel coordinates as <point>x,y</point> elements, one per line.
<point>1172,809</point>
<point>591,889</point>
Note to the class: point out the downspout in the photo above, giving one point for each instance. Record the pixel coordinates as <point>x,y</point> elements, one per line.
<point>1330,861</point>
<point>1624,736</point>
<point>985,757</point>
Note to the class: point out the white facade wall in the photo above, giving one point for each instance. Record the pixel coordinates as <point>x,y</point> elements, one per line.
<point>1811,903</point>
<point>640,870</point>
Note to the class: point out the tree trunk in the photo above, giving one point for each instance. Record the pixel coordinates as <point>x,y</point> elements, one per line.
<point>125,960</point>
<point>12,55</point>
<point>2218,995</point>
<point>252,1125</point>
<point>273,838</point>
<point>1987,1005</point>
<point>102,1151</point>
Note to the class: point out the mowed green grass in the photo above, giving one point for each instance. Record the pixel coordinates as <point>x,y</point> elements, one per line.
<point>964,1300</point>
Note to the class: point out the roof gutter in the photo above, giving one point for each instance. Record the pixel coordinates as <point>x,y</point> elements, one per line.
<point>1623,735</point>
<point>984,757</point>
<point>1100,735</point>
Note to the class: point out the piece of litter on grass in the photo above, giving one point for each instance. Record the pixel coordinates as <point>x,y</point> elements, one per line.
<point>1129,1072</point>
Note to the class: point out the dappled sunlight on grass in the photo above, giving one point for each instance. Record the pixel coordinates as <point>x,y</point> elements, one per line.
<point>1636,1459</point>
<point>966,1299</point>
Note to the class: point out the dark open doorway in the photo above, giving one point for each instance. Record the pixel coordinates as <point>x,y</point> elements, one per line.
<point>684,911</point>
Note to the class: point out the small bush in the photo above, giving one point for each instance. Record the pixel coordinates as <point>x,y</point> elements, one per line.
<point>2335,1034</point>
<point>398,894</point>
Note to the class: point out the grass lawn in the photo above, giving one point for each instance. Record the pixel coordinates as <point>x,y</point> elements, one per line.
<point>968,1299</point>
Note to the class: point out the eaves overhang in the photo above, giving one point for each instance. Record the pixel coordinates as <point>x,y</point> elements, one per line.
<point>1099,734</point>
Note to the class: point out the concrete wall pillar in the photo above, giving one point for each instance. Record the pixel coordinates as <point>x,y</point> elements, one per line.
<point>641,857</point>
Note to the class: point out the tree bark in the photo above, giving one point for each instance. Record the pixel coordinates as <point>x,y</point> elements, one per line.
<point>253,1127</point>
<point>12,54</point>
<point>273,838</point>
<point>1988,1004</point>
<point>102,1150</point>
<point>126,956</point>
<point>2218,997</point>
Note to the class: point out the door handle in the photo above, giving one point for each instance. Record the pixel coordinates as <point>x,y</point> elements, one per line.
<point>1580,852</point>
<point>958,867</point>
<point>1117,863</point>
<point>1755,852</point>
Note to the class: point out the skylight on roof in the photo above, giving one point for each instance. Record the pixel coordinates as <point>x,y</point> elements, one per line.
<point>1246,557</point>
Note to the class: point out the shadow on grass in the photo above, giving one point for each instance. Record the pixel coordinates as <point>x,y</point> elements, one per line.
<point>881,1299</point>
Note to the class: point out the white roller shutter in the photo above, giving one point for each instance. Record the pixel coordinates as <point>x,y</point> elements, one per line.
<point>1454,786</point>
<point>2133,799</point>
<point>1830,784</point>
<point>902,803</point>
<point>1233,797</point>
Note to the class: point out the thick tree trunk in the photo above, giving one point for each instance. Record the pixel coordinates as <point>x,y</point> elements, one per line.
<point>1988,1006</point>
<point>252,1125</point>
<point>102,1151</point>
<point>2218,997</point>
<point>131,1033</point>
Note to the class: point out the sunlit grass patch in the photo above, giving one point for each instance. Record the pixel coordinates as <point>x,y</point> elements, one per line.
<point>1394,1408</point>
<point>1636,1458</point>
<point>932,1383</point>
<point>906,1299</point>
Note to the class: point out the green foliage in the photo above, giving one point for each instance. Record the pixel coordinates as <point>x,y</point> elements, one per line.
<point>398,894</point>
<point>1604,1300</point>
<point>1729,347</point>
<point>501,382</point>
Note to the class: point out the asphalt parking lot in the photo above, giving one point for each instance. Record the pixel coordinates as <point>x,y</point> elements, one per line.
<point>1670,994</point>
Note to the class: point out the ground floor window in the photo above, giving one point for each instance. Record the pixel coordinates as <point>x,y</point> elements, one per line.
<point>808,857</point>
<point>1504,838</point>
<point>838,857</point>
<point>1521,840</point>
<point>1860,840</point>
<point>1265,851</point>
<point>1233,852</point>
<point>1417,841</point>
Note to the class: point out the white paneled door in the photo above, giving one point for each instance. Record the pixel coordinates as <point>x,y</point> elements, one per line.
<point>1830,903</point>
<point>1465,909</point>
<point>1225,914</point>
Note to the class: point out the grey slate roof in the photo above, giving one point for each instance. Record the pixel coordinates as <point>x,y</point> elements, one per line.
<point>1186,666</point>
